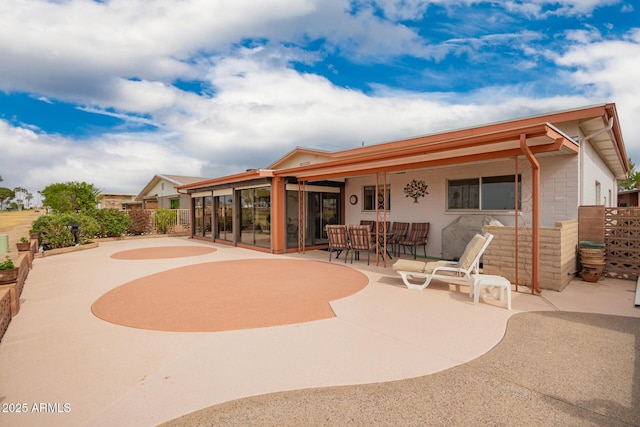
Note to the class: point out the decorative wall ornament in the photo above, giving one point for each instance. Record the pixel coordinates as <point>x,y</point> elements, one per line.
<point>415,189</point>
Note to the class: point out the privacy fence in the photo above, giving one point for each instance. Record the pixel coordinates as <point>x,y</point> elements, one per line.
<point>619,230</point>
<point>622,240</point>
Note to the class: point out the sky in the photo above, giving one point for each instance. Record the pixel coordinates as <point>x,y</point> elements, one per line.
<point>113,92</point>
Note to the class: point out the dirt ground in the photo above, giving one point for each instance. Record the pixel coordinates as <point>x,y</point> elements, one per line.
<point>16,225</point>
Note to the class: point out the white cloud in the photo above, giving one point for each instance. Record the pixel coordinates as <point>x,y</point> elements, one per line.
<point>120,58</point>
<point>610,69</point>
<point>122,163</point>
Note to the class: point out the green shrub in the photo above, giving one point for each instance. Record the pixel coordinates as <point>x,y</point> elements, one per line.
<point>139,222</point>
<point>165,219</point>
<point>55,230</point>
<point>7,264</point>
<point>53,233</point>
<point>112,222</point>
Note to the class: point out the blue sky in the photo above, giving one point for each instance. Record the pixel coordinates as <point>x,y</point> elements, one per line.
<point>114,92</point>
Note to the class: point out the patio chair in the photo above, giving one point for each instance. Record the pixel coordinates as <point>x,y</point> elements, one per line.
<point>360,239</point>
<point>338,240</point>
<point>417,236</point>
<point>426,271</point>
<point>399,231</point>
<point>371,224</point>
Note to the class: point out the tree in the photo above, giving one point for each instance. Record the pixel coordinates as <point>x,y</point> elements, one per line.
<point>71,196</point>
<point>633,180</point>
<point>21,193</point>
<point>5,195</point>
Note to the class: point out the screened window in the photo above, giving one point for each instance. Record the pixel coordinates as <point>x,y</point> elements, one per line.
<point>486,193</point>
<point>174,203</point>
<point>369,198</point>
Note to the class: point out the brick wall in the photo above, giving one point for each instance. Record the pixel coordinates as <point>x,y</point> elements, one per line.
<point>557,254</point>
<point>5,311</point>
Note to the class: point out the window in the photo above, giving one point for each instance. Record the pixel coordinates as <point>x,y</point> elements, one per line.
<point>486,193</point>
<point>174,204</point>
<point>369,198</point>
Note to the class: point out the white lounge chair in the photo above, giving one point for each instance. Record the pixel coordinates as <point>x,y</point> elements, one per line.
<point>424,272</point>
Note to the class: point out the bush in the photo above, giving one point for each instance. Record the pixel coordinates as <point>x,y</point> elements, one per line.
<point>165,220</point>
<point>139,222</point>
<point>112,222</point>
<point>55,230</point>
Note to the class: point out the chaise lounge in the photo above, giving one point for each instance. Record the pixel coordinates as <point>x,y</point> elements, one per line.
<point>424,272</point>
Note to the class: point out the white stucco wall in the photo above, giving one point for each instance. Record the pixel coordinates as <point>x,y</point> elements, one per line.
<point>433,207</point>
<point>595,171</point>
<point>559,189</point>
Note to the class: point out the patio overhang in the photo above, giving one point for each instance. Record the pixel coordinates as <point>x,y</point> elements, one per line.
<point>425,152</point>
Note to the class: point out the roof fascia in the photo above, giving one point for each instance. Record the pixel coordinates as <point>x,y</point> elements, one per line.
<point>611,111</point>
<point>466,141</point>
<point>299,150</point>
<point>148,187</point>
<point>561,116</point>
<point>229,179</point>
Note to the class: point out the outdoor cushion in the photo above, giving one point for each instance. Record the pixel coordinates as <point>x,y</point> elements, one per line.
<point>470,252</point>
<point>409,265</point>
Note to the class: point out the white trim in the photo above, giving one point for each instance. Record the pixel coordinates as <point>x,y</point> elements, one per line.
<point>224,192</point>
<point>201,194</point>
<point>318,188</point>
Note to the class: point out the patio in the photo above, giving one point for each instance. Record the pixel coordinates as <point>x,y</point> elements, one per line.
<point>57,351</point>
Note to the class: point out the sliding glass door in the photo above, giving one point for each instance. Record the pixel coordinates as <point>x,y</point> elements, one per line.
<point>224,217</point>
<point>255,216</point>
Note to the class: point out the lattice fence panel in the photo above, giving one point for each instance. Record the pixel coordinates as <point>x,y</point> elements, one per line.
<point>622,239</point>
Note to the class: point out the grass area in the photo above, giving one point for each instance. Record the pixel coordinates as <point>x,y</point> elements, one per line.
<point>12,219</point>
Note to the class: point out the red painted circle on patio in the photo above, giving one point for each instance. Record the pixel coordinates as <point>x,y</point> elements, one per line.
<point>230,295</point>
<point>162,252</point>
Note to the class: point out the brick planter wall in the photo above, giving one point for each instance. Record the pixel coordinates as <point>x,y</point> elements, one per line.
<point>558,257</point>
<point>5,311</point>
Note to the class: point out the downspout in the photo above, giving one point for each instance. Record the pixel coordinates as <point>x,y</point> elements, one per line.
<point>535,233</point>
<point>582,141</point>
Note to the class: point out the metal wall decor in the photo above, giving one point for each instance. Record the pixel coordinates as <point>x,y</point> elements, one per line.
<point>416,189</point>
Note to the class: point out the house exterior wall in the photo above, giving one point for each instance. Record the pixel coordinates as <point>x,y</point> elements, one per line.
<point>115,201</point>
<point>164,202</point>
<point>595,171</point>
<point>165,194</point>
<point>433,207</point>
<point>559,189</point>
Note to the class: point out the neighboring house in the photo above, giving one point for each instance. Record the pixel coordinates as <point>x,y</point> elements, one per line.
<point>629,198</point>
<point>161,192</point>
<point>530,172</point>
<point>116,201</point>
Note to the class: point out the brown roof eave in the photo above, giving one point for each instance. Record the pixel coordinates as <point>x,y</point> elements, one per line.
<point>618,140</point>
<point>240,177</point>
<point>463,141</point>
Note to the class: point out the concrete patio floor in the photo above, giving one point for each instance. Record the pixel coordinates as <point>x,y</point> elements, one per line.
<point>95,373</point>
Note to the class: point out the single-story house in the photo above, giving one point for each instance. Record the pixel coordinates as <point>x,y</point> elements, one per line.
<point>118,201</point>
<point>160,192</point>
<point>531,172</point>
<point>629,198</point>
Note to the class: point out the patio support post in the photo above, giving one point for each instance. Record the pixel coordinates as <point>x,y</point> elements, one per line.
<point>302,212</point>
<point>535,213</point>
<point>278,227</point>
<point>515,229</point>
